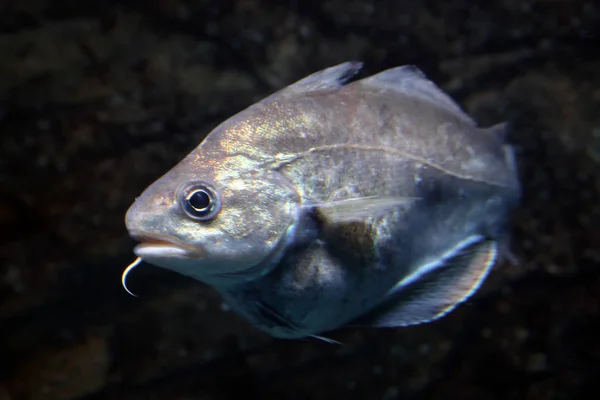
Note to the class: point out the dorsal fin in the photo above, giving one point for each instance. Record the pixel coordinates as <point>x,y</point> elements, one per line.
<point>499,130</point>
<point>331,78</point>
<point>411,81</point>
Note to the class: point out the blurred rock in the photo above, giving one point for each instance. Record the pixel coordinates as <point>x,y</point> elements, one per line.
<point>64,373</point>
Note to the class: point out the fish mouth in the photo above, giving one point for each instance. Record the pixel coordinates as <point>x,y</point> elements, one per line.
<point>155,245</point>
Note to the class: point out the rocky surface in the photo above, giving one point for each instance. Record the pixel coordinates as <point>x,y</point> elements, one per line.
<point>99,98</point>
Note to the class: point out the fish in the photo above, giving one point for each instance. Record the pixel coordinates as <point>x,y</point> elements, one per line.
<point>336,202</point>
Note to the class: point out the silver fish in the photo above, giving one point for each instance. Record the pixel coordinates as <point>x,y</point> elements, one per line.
<point>328,204</point>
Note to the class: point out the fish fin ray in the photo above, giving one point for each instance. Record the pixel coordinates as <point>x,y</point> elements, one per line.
<point>500,132</point>
<point>325,339</point>
<point>433,294</point>
<point>359,209</point>
<point>510,158</point>
<point>410,80</point>
<point>271,317</point>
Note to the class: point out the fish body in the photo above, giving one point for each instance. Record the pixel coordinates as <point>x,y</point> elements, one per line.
<point>377,202</point>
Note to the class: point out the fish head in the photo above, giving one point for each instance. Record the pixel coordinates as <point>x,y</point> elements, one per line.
<point>215,219</point>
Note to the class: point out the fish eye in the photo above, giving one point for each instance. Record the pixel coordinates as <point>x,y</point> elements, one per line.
<point>200,202</point>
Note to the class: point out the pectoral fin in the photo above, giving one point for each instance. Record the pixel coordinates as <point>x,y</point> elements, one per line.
<point>359,209</point>
<point>437,288</point>
<point>345,228</point>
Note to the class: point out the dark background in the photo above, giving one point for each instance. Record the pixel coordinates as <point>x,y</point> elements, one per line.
<point>99,98</point>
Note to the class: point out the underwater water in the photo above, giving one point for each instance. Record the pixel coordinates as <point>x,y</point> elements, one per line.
<point>100,98</point>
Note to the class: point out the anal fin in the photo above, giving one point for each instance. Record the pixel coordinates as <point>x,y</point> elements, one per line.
<point>271,318</point>
<point>437,288</point>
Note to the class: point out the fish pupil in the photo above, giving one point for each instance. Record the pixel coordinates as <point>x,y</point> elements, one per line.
<point>199,200</point>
